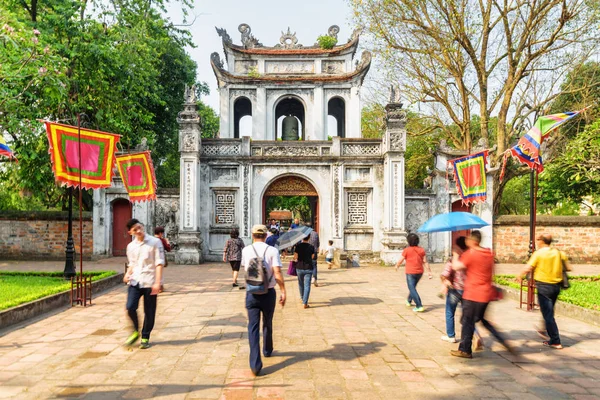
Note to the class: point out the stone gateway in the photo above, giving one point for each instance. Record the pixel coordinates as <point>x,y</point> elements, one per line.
<point>289,91</point>
<point>290,126</point>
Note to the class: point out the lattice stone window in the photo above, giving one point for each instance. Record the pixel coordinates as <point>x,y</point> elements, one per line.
<point>224,201</point>
<point>357,207</point>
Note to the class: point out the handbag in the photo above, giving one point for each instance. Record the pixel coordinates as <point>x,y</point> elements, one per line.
<point>564,284</point>
<point>498,293</point>
<point>292,269</point>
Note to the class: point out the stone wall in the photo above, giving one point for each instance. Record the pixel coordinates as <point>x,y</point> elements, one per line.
<point>577,236</point>
<point>41,235</point>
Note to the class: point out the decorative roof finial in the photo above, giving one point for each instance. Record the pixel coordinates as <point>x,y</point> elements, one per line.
<point>333,31</point>
<point>224,35</point>
<point>288,40</point>
<point>248,40</point>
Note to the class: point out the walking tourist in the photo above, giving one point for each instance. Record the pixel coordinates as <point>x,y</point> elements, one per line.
<point>313,239</point>
<point>329,252</point>
<point>454,283</point>
<point>145,260</point>
<point>295,224</point>
<point>547,266</point>
<point>232,253</point>
<point>478,262</point>
<point>159,232</point>
<point>272,240</point>
<point>416,259</point>
<point>274,225</point>
<point>257,304</point>
<point>304,254</point>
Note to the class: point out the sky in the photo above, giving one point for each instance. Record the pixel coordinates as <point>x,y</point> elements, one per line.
<point>267,19</point>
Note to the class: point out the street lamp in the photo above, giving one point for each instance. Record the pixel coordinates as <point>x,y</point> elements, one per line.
<point>69,271</point>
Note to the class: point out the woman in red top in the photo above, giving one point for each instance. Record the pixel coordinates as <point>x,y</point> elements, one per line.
<point>415,260</point>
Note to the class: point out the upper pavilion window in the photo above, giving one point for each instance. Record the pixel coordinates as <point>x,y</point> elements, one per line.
<point>242,117</point>
<point>336,117</point>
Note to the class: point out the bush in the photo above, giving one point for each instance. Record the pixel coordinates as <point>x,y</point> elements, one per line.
<point>326,42</point>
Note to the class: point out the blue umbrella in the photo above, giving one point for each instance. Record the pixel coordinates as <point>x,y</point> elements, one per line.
<point>292,237</point>
<point>453,221</point>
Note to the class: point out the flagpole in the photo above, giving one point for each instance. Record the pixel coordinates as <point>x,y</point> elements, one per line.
<point>84,299</point>
<point>532,223</point>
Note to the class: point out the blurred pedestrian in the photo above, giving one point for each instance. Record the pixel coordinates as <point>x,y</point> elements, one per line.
<point>547,264</point>
<point>145,259</point>
<point>416,259</point>
<point>478,262</point>
<point>232,253</point>
<point>159,232</point>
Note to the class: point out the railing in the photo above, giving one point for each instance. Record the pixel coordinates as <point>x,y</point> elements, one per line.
<point>311,148</point>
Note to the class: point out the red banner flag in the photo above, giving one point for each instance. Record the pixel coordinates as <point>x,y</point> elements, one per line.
<point>138,177</point>
<point>469,174</point>
<point>97,155</point>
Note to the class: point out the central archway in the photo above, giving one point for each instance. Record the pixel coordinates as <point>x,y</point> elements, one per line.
<point>292,186</point>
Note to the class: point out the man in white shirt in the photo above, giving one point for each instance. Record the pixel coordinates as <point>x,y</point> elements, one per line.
<point>146,258</point>
<point>262,303</point>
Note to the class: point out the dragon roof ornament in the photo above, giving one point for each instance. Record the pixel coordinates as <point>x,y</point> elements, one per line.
<point>248,40</point>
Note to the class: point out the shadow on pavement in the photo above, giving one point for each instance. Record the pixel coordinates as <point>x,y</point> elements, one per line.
<point>339,352</point>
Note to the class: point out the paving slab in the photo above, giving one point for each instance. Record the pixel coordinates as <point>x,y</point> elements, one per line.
<point>357,341</point>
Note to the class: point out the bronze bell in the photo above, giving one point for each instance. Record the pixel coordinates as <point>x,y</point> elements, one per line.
<point>289,128</point>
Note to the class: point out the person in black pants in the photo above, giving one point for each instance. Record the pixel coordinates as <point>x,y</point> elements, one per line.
<point>145,257</point>
<point>547,264</point>
<point>262,304</point>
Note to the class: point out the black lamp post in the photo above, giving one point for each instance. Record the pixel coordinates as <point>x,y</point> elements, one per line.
<point>69,271</point>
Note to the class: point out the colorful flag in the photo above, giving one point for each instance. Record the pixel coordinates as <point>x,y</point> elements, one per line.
<point>469,174</point>
<point>527,150</point>
<point>4,149</point>
<point>97,155</point>
<point>138,177</point>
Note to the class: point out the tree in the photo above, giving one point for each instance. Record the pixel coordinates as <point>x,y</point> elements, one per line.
<point>122,64</point>
<point>420,142</point>
<point>485,57</point>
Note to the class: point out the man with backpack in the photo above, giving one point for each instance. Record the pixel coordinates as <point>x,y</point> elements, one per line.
<point>263,269</point>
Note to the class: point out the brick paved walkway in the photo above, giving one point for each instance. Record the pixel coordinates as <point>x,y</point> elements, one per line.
<point>357,341</point>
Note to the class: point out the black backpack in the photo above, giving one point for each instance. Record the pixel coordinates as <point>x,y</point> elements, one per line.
<point>257,278</point>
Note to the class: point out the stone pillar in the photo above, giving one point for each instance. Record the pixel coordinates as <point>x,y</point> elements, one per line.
<point>190,240</point>
<point>224,131</point>
<point>319,115</point>
<point>353,114</point>
<point>259,119</point>
<point>394,146</point>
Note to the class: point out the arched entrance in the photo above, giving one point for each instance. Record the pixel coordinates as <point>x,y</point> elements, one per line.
<point>291,186</point>
<point>121,212</point>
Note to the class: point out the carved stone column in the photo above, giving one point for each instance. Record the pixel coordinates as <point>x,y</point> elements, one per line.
<point>394,145</point>
<point>190,239</point>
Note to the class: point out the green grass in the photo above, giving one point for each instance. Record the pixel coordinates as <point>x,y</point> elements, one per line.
<point>584,290</point>
<point>21,287</point>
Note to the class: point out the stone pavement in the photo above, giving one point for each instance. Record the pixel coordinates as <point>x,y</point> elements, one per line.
<point>357,341</point>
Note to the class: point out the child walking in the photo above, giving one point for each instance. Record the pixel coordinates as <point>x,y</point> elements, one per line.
<point>329,254</point>
<point>416,259</point>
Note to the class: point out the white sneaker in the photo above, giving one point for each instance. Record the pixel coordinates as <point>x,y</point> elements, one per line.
<point>449,339</point>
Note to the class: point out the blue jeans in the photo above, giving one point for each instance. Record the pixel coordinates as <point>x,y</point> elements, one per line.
<point>304,277</point>
<point>257,304</point>
<point>314,270</point>
<point>134,293</point>
<point>547,296</point>
<point>453,298</point>
<point>411,281</point>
